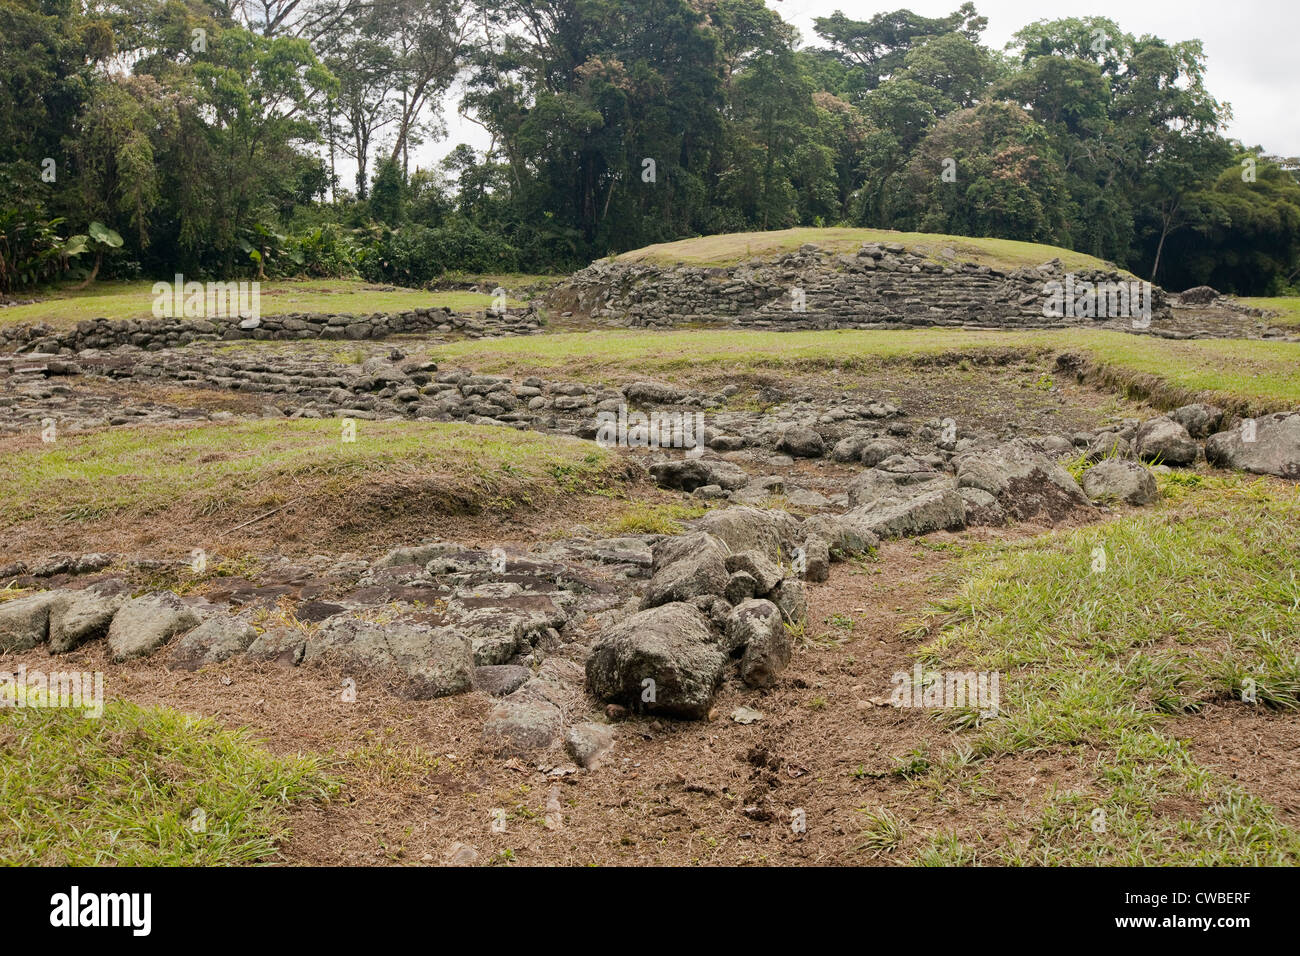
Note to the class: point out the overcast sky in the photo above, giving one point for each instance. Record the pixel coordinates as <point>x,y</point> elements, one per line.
<point>1252,49</point>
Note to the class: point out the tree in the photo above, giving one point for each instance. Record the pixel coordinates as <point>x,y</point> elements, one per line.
<point>877,49</point>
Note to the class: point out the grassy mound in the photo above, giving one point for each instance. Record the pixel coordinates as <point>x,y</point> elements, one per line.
<point>134,300</point>
<point>733,248</point>
<point>1249,376</point>
<point>247,467</point>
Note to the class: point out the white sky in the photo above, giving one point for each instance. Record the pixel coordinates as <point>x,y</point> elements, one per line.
<point>1250,47</point>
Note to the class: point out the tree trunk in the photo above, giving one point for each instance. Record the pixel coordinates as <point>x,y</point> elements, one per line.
<point>99,257</point>
<point>1160,248</point>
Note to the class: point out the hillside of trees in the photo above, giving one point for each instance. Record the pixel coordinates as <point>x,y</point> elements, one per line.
<point>148,137</point>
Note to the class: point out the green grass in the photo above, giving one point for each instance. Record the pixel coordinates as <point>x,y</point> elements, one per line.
<point>1287,307</point>
<point>264,463</point>
<point>1195,597</point>
<point>649,518</point>
<point>134,300</point>
<point>142,787</point>
<point>1251,376</point>
<point>734,248</point>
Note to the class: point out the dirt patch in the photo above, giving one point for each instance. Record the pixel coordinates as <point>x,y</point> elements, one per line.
<point>1257,747</point>
<point>383,513</point>
<point>675,792</point>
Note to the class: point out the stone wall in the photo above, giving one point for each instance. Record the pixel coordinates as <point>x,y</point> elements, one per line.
<point>880,286</point>
<point>153,334</point>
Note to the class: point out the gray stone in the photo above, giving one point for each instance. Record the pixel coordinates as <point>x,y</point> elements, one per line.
<point>882,484</point>
<point>588,744</point>
<point>1027,484</point>
<point>653,393</point>
<point>671,548</point>
<point>982,509</point>
<point>1117,479</point>
<point>848,449</point>
<point>924,510</point>
<point>817,558</point>
<point>500,679</point>
<point>25,622</point>
<point>770,533</point>
<point>1165,441</point>
<point>216,639</point>
<point>757,627</point>
<point>518,728</point>
<point>1275,450</point>
<point>766,575</point>
<point>687,474</point>
<point>285,645</point>
<point>144,624</point>
<point>701,572</point>
<point>879,449</point>
<point>841,537</point>
<point>792,599</point>
<point>86,616</point>
<point>800,441</point>
<point>1200,420</point>
<point>422,662</point>
<point>663,660</point>
<point>740,587</point>
<point>1108,445</point>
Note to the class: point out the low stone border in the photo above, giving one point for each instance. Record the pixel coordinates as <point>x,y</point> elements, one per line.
<point>155,334</point>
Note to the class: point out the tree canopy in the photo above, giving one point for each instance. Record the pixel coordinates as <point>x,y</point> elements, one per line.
<point>209,137</point>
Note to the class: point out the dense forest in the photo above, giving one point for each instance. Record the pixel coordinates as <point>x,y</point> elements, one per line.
<point>219,139</point>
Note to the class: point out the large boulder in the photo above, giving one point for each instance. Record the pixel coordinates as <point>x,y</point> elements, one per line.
<point>1274,451</point>
<point>757,627</point>
<point>662,660</point>
<point>216,639</point>
<point>85,616</point>
<point>924,509</point>
<point>517,728</point>
<point>770,533</point>
<point>25,622</point>
<point>1165,441</point>
<point>653,393</point>
<point>801,441</point>
<point>1200,420</point>
<point>672,548</point>
<point>877,450</point>
<point>499,626</point>
<point>687,474</point>
<point>421,662</point>
<point>1198,295</point>
<point>696,573</point>
<point>1027,485</point>
<point>144,624</point>
<point>893,479</point>
<point>841,538</point>
<point>1117,479</point>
